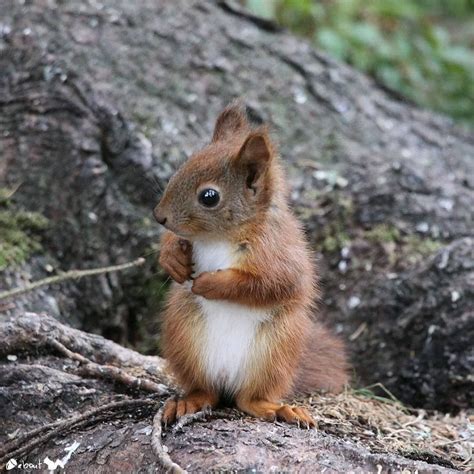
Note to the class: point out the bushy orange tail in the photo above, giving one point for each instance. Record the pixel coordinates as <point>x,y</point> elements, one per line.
<point>324,364</point>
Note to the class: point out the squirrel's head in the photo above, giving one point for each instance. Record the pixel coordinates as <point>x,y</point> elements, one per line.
<point>227,184</point>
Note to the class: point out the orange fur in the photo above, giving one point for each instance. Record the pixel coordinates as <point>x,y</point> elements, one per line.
<point>192,403</point>
<point>272,270</point>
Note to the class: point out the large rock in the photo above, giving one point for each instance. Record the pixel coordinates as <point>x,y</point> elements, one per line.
<point>419,331</point>
<point>42,390</point>
<point>100,103</point>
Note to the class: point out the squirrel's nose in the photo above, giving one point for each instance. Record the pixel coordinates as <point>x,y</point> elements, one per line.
<point>160,218</point>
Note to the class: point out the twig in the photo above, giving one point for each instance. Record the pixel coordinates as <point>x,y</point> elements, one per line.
<point>70,275</point>
<point>110,372</point>
<point>358,332</point>
<point>189,419</point>
<point>8,193</point>
<point>202,415</point>
<point>160,450</point>
<point>44,433</point>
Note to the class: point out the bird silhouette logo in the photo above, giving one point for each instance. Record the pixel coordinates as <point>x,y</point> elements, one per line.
<point>53,465</point>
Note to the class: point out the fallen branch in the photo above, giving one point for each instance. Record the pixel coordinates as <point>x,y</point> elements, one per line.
<point>38,436</point>
<point>110,372</point>
<point>70,275</point>
<point>160,450</point>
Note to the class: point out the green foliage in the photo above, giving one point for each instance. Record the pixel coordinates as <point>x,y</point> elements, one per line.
<point>18,232</point>
<point>422,49</point>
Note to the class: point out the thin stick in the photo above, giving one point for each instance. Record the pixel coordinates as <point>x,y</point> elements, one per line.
<point>46,432</point>
<point>70,275</point>
<point>160,450</point>
<point>203,415</point>
<point>189,419</point>
<point>110,372</point>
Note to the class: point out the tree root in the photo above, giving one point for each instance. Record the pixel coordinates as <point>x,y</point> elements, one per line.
<point>203,415</point>
<point>160,450</point>
<point>38,331</point>
<point>189,419</point>
<point>109,372</point>
<point>30,331</point>
<point>38,436</point>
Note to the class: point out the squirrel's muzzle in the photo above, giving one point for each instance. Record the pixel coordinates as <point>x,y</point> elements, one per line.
<point>159,216</point>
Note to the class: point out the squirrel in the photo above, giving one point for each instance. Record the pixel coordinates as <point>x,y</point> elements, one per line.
<point>238,324</point>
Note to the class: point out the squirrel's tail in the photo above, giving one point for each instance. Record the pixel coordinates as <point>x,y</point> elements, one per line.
<point>324,364</point>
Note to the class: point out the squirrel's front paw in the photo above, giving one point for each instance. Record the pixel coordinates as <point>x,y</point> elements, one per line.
<point>175,258</point>
<point>207,285</point>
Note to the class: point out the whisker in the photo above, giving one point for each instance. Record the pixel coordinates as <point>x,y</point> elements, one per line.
<point>157,184</point>
<point>153,184</point>
<point>164,283</point>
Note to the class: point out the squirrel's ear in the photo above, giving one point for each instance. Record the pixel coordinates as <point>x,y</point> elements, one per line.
<point>254,157</point>
<point>231,120</point>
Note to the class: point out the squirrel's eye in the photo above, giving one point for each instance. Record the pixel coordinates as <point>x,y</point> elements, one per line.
<point>209,197</point>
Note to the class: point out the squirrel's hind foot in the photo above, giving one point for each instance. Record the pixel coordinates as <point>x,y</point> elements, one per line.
<point>192,403</point>
<point>273,411</point>
<point>296,415</point>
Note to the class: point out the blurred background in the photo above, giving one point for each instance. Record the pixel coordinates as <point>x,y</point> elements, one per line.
<point>420,49</point>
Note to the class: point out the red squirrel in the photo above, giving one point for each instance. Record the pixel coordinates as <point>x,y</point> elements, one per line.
<point>238,323</point>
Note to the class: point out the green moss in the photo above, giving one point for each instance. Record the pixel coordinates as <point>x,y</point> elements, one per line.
<point>400,247</point>
<point>416,245</point>
<point>336,231</point>
<point>383,233</point>
<point>19,232</point>
<point>334,242</point>
<point>4,195</point>
<point>411,245</point>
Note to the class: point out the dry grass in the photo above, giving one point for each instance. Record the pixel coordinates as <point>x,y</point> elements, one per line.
<point>385,425</point>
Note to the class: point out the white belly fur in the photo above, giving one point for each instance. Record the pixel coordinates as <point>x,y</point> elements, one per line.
<point>230,327</point>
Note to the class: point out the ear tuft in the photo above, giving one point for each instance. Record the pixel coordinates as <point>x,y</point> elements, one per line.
<point>254,157</point>
<point>232,119</point>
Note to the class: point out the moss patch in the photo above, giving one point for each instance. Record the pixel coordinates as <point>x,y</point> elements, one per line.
<point>19,232</point>
<point>334,242</point>
<point>398,246</point>
<point>422,245</point>
<point>383,233</point>
<point>335,233</point>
